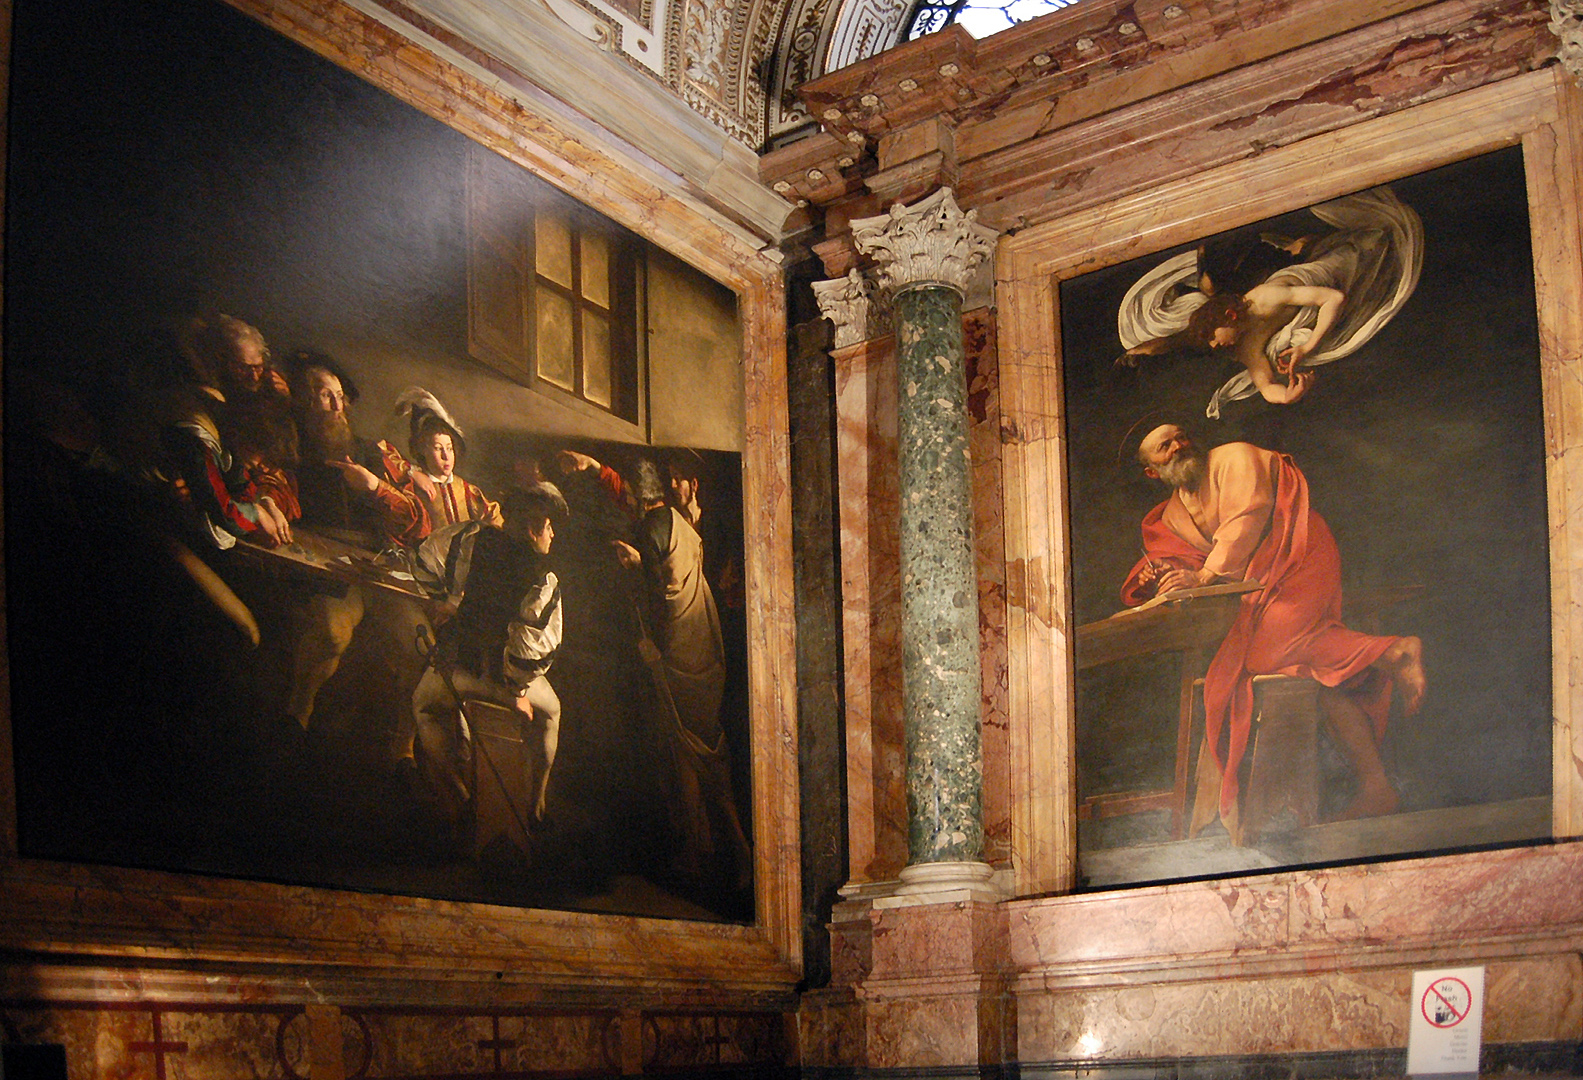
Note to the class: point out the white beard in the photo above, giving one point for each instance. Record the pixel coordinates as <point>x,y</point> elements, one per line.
<point>1184,472</point>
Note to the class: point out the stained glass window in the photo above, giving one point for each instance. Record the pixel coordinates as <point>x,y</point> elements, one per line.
<point>980,18</point>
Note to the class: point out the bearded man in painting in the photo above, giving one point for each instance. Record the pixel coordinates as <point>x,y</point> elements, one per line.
<point>1239,512</point>
<point>346,494</point>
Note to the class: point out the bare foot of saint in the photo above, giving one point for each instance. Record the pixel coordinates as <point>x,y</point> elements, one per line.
<point>1372,800</point>
<point>1405,662</point>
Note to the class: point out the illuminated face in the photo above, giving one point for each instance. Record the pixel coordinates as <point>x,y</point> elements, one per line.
<point>324,393</point>
<point>439,455</point>
<point>246,362</point>
<point>542,536</point>
<point>683,489</point>
<point>1162,445</point>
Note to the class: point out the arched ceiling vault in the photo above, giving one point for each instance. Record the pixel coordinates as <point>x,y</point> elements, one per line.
<point>647,71</point>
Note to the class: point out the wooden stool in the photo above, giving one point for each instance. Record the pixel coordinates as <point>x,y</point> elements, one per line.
<point>501,777</point>
<point>1283,761</point>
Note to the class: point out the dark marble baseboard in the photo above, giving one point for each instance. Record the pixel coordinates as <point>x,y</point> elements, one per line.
<point>1535,1059</point>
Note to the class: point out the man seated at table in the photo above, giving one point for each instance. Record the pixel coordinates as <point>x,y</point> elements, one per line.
<point>346,494</point>
<point>502,641</point>
<point>436,445</point>
<point>225,438</point>
<point>1239,513</point>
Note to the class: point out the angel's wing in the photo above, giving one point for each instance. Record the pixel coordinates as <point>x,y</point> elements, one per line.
<point>1374,258</point>
<point>1153,307</point>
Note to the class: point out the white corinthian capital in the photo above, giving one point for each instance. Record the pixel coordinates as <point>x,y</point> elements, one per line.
<point>859,313</point>
<point>929,242</point>
<point>1566,23</point>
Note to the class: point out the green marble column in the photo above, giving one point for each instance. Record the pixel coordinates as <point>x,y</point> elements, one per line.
<point>939,587</point>
<point>927,256</point>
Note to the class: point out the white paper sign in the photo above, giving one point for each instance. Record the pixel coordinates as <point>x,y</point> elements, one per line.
<point>1444,1034</point>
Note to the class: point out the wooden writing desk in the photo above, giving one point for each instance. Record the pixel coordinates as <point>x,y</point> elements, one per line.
<point>1192,626</point>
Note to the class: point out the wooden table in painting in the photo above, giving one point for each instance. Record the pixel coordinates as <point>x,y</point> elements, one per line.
<point>325,561</point>
<point>1192,624</point>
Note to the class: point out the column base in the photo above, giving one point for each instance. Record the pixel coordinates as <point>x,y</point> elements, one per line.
<point>945,883</point>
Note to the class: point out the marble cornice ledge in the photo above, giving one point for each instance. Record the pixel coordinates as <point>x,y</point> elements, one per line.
<point>524,51</point>
<point>1508,904</point>
<point>1246,112</point>
<point>21,979</point>
<point>109,917</point>
<point>1035,144</point>
<point>1068,66</point>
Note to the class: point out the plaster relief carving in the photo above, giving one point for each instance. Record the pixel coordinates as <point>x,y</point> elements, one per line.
<point>931,241</point>
<point>708,28</point>
<point>857,310</point>
<point>1566,23</point>
<point>604,33</point>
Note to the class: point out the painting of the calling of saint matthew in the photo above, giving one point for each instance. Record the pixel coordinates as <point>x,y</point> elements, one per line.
<point>1310,561</point>
<point>373,509</point>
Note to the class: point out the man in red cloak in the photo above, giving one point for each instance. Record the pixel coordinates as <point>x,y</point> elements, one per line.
<point>1241,513</point>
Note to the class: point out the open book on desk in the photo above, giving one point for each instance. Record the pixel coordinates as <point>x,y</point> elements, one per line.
<point>1196,618</point>
<point>1222,588</point>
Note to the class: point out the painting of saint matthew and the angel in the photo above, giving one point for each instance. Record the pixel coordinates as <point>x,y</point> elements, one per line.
<point>1309,536</point>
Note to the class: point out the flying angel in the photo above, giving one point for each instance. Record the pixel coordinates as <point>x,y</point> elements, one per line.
<point>1284,306</point>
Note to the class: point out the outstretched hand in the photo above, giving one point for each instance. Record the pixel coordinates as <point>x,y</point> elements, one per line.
<point>357,478</point>
<point>626,554</point>
<point>272,523</point>
<point>1300,383</point>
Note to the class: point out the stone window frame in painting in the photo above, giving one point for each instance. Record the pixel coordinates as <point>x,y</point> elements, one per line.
<point>512,288</point>
<point>1538,111</point>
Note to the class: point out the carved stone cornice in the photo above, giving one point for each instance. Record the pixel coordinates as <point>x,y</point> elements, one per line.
<point>1566,23</point>
<point>930,242</point>
<point>858,310</point>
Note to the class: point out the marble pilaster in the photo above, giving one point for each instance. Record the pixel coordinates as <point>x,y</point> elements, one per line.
<point>928,256</point>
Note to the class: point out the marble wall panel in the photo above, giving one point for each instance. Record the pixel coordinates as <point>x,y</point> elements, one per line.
<point>1411,904</point>
<point>923,1031</point>
<point>1458,897</point>
<point>673,1042</point>
<point>830,1029</point>
<point>224,1045</point>
<point>1527,1000</point>
<point>208,1041</point>
<point>1203,919</point>
<point>851,946</point>
<point>865,383</point>
<point>928,941</point>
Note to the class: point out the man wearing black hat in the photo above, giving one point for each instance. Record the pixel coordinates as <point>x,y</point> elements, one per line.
<point>500,644</point>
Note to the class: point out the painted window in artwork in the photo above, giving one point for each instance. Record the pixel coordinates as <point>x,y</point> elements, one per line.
<point>551,293</point>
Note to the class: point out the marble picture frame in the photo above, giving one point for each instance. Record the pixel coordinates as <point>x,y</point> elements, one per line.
<point>1540,113</point>
<point>121,912</point>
